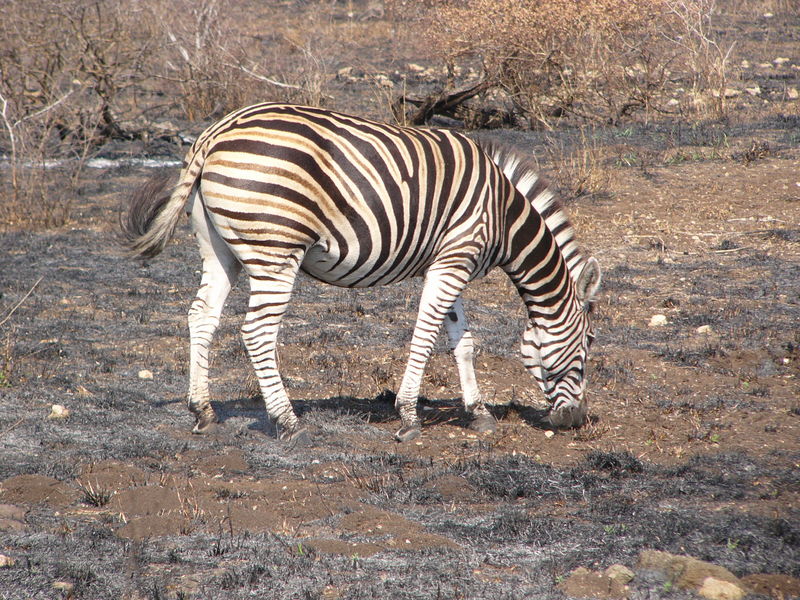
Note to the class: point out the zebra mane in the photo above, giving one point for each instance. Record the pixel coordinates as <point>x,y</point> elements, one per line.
<point>521,172</point>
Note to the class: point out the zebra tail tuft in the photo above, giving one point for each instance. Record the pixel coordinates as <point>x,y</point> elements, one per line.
<point>152,216</point>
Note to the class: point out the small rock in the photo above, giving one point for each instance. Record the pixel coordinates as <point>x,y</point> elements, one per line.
<point>58,411</point>
<point>145,374</point>
<point>781,60</point>
<point>684,571</point>
<point>549,433</point>
<point>753,91</point>
<point>65,587</point>
<point>6,561</point>
<point>658,320</point>
<point>716,589</point>
<point>704,330</point>
<point>620,573</point>
<point>792,93</point>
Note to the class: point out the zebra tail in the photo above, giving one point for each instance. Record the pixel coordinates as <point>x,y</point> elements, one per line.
<point>152,216</point>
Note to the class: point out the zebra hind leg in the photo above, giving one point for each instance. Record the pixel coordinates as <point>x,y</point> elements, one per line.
<point>269,296</point>
<point>220,269</point>
<point>461,345</point>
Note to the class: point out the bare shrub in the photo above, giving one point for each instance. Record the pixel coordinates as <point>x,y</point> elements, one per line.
<point>706,60</point>
<point>63,70</point>
<point>219,66</point>
<point>600,60</point>
<point>578,170</point>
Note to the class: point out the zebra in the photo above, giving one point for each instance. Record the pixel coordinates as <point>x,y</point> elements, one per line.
<point>276,188</point>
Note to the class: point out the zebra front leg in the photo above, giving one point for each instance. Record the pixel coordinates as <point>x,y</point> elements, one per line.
<point>440,291</point>
<point>220,269</point>
<point>461,345</point>
<point>269,297</point>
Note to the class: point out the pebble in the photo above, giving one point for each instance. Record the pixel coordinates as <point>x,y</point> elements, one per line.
<point>145,374</point>
<point>620,573</point>
<point>58,411</point>
<point>704,330</point>
<point>6,561</point>
<point>658,321</point>
<point>548,434</point>
<point>64,587</point>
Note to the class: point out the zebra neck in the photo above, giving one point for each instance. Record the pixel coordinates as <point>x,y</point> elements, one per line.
<point>536,265</point>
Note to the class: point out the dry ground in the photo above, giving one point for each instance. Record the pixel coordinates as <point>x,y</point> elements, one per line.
<point>693,448</point>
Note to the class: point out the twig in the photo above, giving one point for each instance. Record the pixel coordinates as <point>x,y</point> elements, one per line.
<point>727,250</point>
<point>25,297</point>
<point>263,78</point>
<point>14,426</point>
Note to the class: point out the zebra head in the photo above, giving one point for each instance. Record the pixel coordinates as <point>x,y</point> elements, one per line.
<point>555,351</point>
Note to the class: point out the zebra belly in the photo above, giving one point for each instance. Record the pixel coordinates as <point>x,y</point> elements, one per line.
<point>324,261</point>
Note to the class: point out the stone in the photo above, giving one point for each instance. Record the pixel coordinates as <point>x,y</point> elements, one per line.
<point>717,589</point>
<point>58,411</point>
<point>6,561</point>
<point>658,321</point>
<point>684,571</point>
<point>145,374</point>
<point>65,587</point>
<point>620,573</point>
<point>704,330</point>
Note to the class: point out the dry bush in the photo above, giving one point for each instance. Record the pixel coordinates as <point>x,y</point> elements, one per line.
<point>63,69</point>
<point>578,170</point>
<point>600,59</point>
<point>219,65</point>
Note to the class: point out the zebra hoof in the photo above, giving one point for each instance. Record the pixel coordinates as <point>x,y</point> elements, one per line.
<point>568,416</point>
<point>206,421</point>
<point>296,438</point>
<point>406,434</point>
<point>483,423</point>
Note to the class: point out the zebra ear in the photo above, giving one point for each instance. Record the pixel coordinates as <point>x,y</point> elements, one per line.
<point>588,281</point>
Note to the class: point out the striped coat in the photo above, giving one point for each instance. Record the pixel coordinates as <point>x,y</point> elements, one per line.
<point>274,188</point>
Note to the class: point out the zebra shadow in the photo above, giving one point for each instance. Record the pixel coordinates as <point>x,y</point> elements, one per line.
<point>349,411</point>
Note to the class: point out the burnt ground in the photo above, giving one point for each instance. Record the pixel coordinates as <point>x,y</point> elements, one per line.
<point>693,447</point>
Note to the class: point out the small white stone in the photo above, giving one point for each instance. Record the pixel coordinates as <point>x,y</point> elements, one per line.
<point>792,93</point>
<point>753,91</point>
<point>717,589</point>
<point>145,374</point>
<point>658,321</point>
<point>781,60</point>
<point>549,433</point>
<point>704,330</point>
<point>63,586</point>
<point>6,561</point>
<point>58,411</point>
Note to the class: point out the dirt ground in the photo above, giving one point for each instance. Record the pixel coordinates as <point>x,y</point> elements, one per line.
<point>693,446</point>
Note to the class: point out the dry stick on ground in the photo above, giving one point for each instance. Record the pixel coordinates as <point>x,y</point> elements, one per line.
<point>25,297</point>
<point>441,103</point>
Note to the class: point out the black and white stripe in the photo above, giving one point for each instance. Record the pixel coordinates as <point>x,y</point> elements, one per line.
<point>275,188</point>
